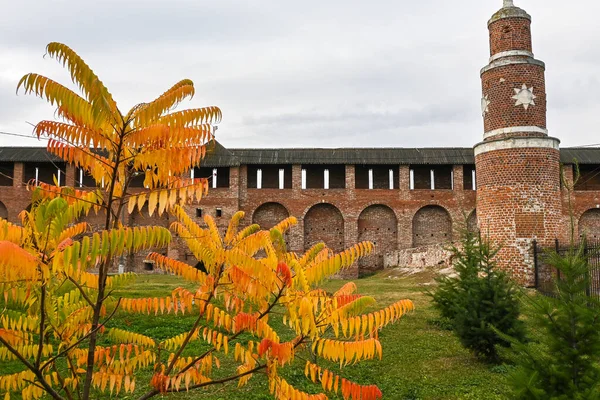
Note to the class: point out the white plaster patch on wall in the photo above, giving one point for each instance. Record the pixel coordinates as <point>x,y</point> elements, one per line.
<point>511,53</point>
<point>502,62</point>
<point>524,96</point>
<point>515,129</point>
<point>485,105</point>
<point>533,203</point>
<point>419,257</point>
<point>524,248</point>
<point>517,143</point>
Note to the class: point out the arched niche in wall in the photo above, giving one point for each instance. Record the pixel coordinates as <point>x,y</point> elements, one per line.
<point>269,214</point>
<point>138,262</point>
<point>324,223</point>
<point>472,225</point>
<point>589,224</point>
<point>3,211</point>
<point>378,224</point>
<point>431,225</point>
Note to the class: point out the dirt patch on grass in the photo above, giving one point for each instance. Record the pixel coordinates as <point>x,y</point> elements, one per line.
<point>422,276</point>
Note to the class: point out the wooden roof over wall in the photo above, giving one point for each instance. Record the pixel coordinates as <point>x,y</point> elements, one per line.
<point>219,156</point>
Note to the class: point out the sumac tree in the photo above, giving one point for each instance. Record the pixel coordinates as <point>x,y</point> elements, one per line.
<point>58,298</point>
<point>114,147</point>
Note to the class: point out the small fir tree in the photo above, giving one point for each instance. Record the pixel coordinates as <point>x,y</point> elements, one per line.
<point>466,261</point>
<point>481,302</point>
<point>563,362</point>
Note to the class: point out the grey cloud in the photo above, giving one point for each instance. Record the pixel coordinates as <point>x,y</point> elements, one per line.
<point>311,73</point>
<point>363,118</point>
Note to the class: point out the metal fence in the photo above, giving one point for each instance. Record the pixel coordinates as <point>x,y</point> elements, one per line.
<point>546,275</point>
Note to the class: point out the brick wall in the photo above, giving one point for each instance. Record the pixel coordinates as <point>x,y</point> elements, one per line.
<point>15,198</point>
<point>142,218</point>
<point>350,202</point>
<point>499,85</point>
<point>378,224</point>
<point>510,34</point>
<point>518,200</point>
<point>358,208</point>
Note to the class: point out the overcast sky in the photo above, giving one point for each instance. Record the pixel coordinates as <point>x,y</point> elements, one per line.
<point>309,73</point>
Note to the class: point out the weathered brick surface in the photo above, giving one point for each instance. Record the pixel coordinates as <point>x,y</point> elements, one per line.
<point>518,189</point>
<point>510,34</point>
<point>378,224</point>
<point>419,257</point>
<point>431,225</point>
<point>518,200</point>
<point>142,218</point>
<point>589,224</point>
<point>324,223</point>
<point>499,85</point>
<point>472,223</point>
<point>357,207</point>
<point>269,214</point>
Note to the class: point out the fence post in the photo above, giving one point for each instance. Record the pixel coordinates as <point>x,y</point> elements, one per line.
<point>587,265</point>
<point>557,249</point>
<point>535,265</point>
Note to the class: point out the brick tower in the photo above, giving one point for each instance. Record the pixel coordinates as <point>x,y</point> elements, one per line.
<point>518,180</point>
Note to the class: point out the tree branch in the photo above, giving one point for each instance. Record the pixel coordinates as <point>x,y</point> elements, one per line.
<point>219,381</point>
<point>65,351</point>
<point>37,372</point>
<point>85,296</point>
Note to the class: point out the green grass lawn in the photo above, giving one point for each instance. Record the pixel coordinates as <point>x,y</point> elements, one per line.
<point>421,359</point>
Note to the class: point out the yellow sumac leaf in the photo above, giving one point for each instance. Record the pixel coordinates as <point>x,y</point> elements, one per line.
<point>152,202</point>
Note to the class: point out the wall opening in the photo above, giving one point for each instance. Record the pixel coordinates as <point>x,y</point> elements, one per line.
<point>590,177</point>
<point>315,176</point>
<point>269,176</point>
<point>267,216</point>
<point>220,175</point>
<point>45,172</point>
<point>431,225</point>
<point>7,173</point>
<point>431,177</point>
<point>375,176</point>
<point>472,225</point>
<point>138,180</point>
<point>83,179</point>
<point>378,224</point>
<point>469,177</point>
<point>324,223</point>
